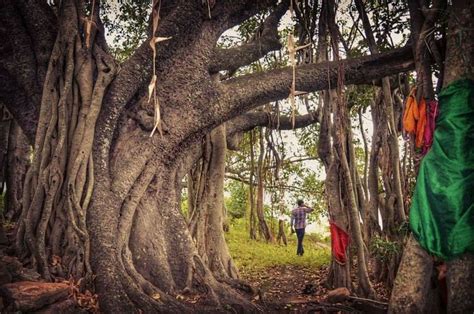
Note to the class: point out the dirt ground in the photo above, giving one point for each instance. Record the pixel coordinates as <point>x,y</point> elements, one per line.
<point>296,289</point>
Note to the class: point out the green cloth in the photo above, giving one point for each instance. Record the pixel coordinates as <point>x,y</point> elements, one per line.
<point>442,210</point>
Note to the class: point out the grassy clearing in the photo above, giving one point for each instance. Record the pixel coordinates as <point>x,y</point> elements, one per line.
<point>252,255</point>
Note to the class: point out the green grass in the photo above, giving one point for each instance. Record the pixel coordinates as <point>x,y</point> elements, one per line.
<point>251,255</point>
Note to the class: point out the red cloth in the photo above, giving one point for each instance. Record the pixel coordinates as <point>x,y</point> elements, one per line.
<point>431,114</point>
<point>339,242</point>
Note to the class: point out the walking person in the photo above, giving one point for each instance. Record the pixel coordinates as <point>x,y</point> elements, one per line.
<point>298,223</point>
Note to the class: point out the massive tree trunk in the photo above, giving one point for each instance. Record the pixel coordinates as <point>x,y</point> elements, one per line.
<point>130,270</point>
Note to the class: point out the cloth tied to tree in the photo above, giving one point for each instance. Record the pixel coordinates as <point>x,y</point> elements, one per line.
<point>339,242</point>
<point>411,113</point>
<point>414,118</point>
<point>442,210</point>
<point>431,114</point>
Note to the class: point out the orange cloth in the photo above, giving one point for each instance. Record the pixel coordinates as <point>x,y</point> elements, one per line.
<point>414,118</point>
<point>411,114</point>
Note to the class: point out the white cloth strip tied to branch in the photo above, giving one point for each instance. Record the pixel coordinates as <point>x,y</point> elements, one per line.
<point>292,49</point>
<point>156,5</point>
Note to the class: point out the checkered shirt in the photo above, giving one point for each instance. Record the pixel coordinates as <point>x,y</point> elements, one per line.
<point>298,216</point>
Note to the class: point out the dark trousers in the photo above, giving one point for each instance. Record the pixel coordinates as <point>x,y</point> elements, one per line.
<point>300,236</point>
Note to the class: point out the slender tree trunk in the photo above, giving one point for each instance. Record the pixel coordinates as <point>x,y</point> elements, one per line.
<point>341,131</point>
<point>206,223</point>
<point>262,223</point>
<point>368,224</point>
<point>366,152</point>
<point>388,108</point>
<point>281,210</point>
<point>252,215</point>
<point>339,275</point>
<point>373,173</point>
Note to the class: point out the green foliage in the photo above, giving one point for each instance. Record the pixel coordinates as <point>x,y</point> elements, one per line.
<point>237,203</point>
<point>184,202</point>
<point>389,21</point>
<point>126,22</point>
<point>383,249</point>
<point>359,96</point>
<point>249,27</point>
<point>307,139</point>
<point>314,193</point>
<point>255,255</point>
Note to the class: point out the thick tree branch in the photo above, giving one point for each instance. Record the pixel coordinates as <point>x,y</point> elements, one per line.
<point>266,40</point>
<point>248,121</point>
<point>249,91</point>
<point>229,13</point>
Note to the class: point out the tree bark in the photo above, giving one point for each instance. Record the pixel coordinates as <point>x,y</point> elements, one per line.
<point>341,136</point>
<point>339,274</point>
<point>262,223</point>
<point>388,111</point>
<point>19,152</point>
<point>253,211</point>
<point>413,291</point>
<point>206,222</point>
<point>459,56</point>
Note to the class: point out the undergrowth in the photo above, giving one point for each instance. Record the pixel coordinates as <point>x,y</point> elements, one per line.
<point>250,255</point>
